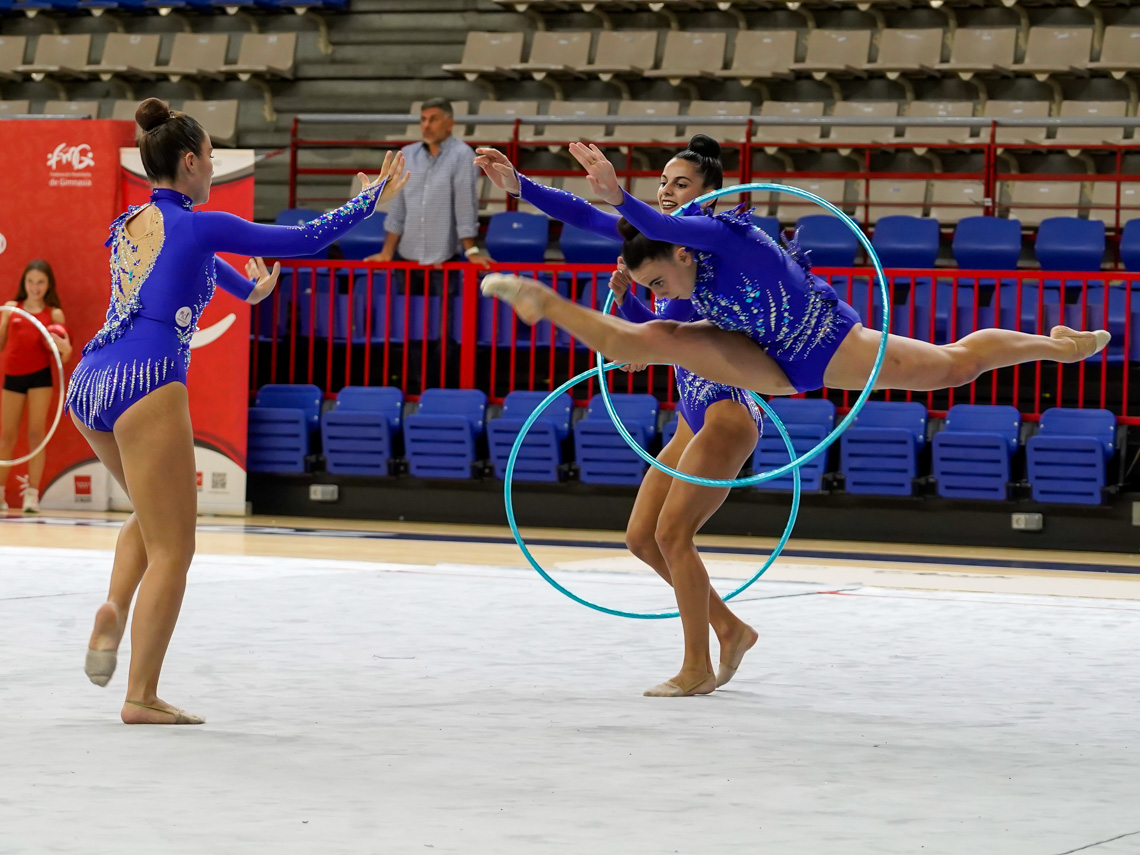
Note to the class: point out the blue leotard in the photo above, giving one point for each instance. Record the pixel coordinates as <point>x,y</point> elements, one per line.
<point>161,282</point>
<point>746,282</point>
<point>695,394</point>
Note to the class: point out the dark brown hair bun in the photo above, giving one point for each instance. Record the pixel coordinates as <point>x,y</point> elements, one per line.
<point>151,113</point>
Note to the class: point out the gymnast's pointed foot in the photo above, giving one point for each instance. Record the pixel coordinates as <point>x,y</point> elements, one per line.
<point>682,686</point>
<point>1085,344</point>
<point>103,648</point>
<point>732,651</point>
<point>156,712</point>
<point>525,296</point>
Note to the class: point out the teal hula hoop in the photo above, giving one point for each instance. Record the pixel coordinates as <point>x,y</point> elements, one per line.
<point>794,463</point>
<point>508,484</point>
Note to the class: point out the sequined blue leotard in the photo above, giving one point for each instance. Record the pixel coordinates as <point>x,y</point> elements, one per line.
<point>746,282</point>
<point>695,394</point>
<point>161,282</point>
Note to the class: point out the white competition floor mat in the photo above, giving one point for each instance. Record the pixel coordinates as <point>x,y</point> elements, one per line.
<point>357,707</point>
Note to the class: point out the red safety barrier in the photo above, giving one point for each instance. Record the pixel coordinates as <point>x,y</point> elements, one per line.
<point>339,323</point>
<point>1114,211</point>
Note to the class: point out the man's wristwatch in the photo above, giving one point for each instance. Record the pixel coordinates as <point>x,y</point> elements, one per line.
<point>471,250</point>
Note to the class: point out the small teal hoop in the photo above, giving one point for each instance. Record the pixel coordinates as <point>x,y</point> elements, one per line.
<point>508,495</point>
<point>793,465</point>
<point>824,443</point>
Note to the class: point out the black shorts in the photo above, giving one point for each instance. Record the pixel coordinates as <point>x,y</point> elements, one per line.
<point>21,383</point>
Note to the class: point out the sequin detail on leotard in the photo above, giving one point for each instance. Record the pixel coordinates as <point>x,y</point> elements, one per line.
<point>699,392</point>
<point>763,311</point>
<point>132,260</point>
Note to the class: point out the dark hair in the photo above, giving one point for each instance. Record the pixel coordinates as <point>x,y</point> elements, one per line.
<point>438,104</point>
<point>704,153</point>
<point>636,248</point>
<point>165,136</point>
<point>51,298</point>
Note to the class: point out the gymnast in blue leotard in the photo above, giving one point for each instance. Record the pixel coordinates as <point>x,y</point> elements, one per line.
<point>128,394</point>
<point>770,324</point>
<point>716,429</point>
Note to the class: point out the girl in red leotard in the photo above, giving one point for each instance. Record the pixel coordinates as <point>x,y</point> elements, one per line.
<point>28,378</point>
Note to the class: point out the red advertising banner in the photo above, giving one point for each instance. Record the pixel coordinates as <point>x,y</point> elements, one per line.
<point>68,181</point>
<point>61,190</point>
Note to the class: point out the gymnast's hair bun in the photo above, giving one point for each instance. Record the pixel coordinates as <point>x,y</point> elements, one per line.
<point>626,229</point>
<point>152,113</point>
<point>705,146</point>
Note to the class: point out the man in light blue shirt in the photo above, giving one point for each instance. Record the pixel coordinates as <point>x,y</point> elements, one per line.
<point>436,217</point>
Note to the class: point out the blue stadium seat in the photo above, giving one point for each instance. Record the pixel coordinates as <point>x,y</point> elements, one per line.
<point>366,238</point>
<point>770,226</point>
<point>807,420</point>
<point>1070,243</point>
<point>831,243</point>
<point>271,324</point>
<point>1117,321</point>
<point>1130,245</point>
<point>601,453</point>
<point>56,6</point>
<point>1033,294</point>
<point>193,5</point>
<point>518,238</point>
<point>1067,459</point>
<point>902,241</point>
<point>540,456</point>
<point>987,243</point>
<point>669,430</point>
<point>879,452</point>
<point>114,5</point>
<point>441,437</point>
<point>358,435</point>
<point>502,327</point>
<point>580,246</point>
<point>280,422</point>
<point>400,318</point>
<point>972,452</point>
<point>302,5</point>
<point>325,320</point>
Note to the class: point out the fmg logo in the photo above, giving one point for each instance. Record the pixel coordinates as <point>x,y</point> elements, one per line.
<point>74,156</point>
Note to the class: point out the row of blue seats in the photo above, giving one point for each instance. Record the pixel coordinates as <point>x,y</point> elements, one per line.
<point>140,6</point>
<point>927,310</point>
<point>972,455</point>
<point>979,243</point>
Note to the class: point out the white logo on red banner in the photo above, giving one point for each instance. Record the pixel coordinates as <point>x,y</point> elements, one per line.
<point>83,488</point>
<point>3,244</point>
<point>75,157</point>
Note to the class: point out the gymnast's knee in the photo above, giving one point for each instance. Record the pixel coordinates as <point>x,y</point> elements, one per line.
<point>640,539</point>
<point>674,536</point>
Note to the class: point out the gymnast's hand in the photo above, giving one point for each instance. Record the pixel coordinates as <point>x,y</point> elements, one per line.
<point>393,171</point>
<point>620,280</point>
<point>599,172</point>
<point>265,278</point>
<point>499,169</point>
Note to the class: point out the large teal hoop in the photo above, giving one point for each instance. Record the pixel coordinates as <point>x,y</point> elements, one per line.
<point>508,495</point>
<point>793,465</point>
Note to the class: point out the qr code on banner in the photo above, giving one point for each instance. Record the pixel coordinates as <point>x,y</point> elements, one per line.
<point>217,480</point>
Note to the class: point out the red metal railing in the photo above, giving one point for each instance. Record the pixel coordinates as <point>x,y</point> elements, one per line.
<point>337,323</point>
<point>740,169</point>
